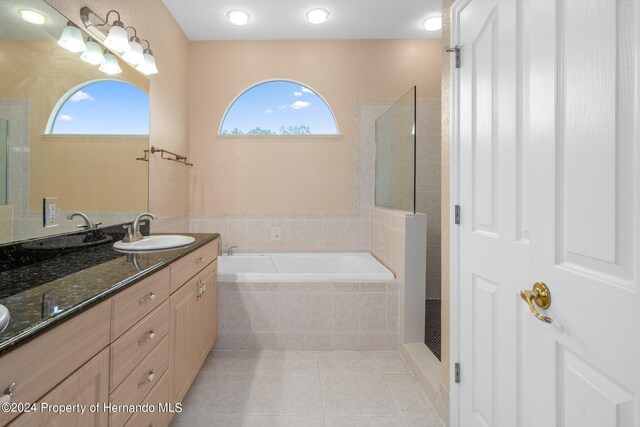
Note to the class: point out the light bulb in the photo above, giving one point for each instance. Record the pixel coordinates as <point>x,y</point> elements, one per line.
<point>72,39</point>
<point>33,16</point>
<point>117,39</point>
<point>148,65</point>
<point>238,17</point>
<point>93,55</point>
<point>110,65</point>
<point>134,55</point>
<point>433,23</point>
<point>317,16</point>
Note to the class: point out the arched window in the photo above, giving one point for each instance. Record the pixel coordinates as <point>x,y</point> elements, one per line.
<point>101,107</point>
<point>279,107</point>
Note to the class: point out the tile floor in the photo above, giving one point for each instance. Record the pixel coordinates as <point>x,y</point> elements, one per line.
<point>306,388</point>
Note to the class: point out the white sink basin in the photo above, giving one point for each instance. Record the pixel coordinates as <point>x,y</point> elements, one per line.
<point>154,243</point>
<point>4,317</point>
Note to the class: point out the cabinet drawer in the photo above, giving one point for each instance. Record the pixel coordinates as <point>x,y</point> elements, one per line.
<point>133,304</point>
<point>188,266</point>
<point>137,385</point>
<point>158,395</point>
<point>87,386</point>
<point>39,365</point>
<point>128,350</point>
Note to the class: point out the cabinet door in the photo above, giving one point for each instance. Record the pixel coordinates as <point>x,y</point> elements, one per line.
<point>206,311</point>
<point>183,350</point>
<point>87,386</point>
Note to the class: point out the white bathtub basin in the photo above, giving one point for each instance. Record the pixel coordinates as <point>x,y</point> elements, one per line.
<point>154,243</point>
<point>301,266</point>
<point>4,317</point>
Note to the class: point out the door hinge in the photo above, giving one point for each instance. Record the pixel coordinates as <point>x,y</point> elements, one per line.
<point>456,215</point>
<point>457,373</point>
<point>456,51</point>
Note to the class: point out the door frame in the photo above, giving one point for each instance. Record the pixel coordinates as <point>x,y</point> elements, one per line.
<point>454,230</point>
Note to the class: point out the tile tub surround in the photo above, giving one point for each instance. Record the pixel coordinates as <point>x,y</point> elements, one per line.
<point>308,316</point>
<point>311,388</point>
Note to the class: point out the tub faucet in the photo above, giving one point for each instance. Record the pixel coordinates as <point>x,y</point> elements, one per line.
<point>88,224</point>
<point>230,250</point>
<point>133,230</point>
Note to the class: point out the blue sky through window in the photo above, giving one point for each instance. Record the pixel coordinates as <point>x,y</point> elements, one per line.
<point>107,107</point>
<point>279,107</point>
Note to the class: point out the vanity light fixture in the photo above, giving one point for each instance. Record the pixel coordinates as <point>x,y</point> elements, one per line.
<point>317,16</point>
<point>93,55</point>
<point>72,38</point>
<point>148,64</point>
<point>433,23</point>
<point>117,39</point>
<point>110,65</point>
<point>33,16</point>
<point>238,17</point>
<point>135,55</point>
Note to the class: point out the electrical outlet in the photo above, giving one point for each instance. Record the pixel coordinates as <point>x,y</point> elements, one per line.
<point>276,233</point>
<point>50,212</point>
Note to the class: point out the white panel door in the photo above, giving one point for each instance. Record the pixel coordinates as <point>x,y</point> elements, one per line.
<point>583,369</point>
<point>548,141</point>
<point>494,256</point>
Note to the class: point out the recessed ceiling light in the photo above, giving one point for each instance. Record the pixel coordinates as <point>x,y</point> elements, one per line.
<point>317,16</point>
<point>433,23</point>
<point>33,16</point>
<point>238,17</point>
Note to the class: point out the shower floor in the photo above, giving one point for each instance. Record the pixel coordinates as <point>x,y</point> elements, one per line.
<point>432,326</point>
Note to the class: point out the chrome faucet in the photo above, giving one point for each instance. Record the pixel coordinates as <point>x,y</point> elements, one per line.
<point>133,230</point>
<point>88,224</point>
<point>230,250</point>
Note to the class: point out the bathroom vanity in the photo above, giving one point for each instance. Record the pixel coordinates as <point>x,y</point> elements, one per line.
<point>134,329</point>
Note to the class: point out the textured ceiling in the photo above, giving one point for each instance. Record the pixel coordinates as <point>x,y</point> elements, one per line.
<point>285,19</point>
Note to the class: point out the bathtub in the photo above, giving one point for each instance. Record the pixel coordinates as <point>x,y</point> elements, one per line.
<point>278,267</point>
<point>306,301</point>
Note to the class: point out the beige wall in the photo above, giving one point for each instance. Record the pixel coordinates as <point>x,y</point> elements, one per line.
<point>279,175</point>
<point>445,200</point>
<point>169,94</point>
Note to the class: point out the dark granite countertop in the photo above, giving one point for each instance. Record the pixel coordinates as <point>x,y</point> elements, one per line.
<point>43,294</point>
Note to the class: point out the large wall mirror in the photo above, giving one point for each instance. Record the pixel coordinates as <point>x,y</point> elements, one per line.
<point>67,130</point>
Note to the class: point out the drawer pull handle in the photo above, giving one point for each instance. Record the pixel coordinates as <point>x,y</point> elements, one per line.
<point>146,299</point>
<point>8,393</point>
<point>147,380</point>
<point>150,337</point>
<point>200,260</point>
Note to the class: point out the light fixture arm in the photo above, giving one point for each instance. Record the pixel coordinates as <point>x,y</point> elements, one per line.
<point>109,13</point>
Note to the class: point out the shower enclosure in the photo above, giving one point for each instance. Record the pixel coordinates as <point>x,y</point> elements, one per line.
<point>407,178</point>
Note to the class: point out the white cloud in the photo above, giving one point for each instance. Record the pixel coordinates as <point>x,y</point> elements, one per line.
<point>280,107</point>
<point>299,105</point>
<point>297,93</point>
<point>81,96</point>
<point>306,90</point>
<point>268,111</point>
<point>65,118</point>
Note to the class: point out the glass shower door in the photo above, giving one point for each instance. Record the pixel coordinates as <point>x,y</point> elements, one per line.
<point>396,155</point>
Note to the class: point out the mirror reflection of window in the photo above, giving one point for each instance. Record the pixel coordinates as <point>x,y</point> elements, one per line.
<point>105,107</point>
<point>279,108</point>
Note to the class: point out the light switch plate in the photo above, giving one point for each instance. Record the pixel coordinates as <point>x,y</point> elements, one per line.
<point>50,212</point>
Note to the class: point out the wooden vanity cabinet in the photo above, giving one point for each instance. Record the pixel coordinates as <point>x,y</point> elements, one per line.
<point>87,386</point>
<point>145,344</point>
<point>192,328</point>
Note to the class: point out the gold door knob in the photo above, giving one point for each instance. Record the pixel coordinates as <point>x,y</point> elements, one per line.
<point>541,296</point>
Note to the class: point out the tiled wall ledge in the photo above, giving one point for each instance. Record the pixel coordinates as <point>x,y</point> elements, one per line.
<point>308,316</point>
